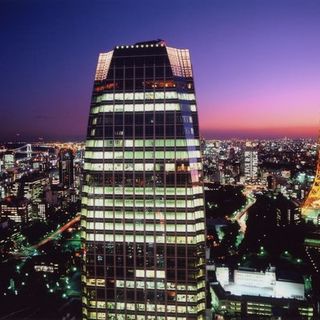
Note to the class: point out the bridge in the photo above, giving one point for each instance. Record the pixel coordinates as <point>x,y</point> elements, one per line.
<point>25,149</point>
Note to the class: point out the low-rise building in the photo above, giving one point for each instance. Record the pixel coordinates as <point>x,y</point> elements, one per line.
<point>251,294</point>
<point>16,209</point>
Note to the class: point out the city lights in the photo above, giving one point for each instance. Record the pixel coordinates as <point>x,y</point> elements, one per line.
<point>140,180</point>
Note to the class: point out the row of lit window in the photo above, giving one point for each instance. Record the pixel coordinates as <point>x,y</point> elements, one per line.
<point>159,285</point>
<point>144,191</point>
<point>143,239</point>
<point>145,96</point>
<point>143,143</point>
<point>141,108</point>
<point>305,311</point>
<point>122,166</point>
<point>258,305</point>
<point>113,316</point>
<point>145,227</point>
<point>130,166</point>
<point>127,131</point>
<point>149,284</point>
<point>97,200</point>
<point>16,218</point>
<point>143,285</point>
<point>183,216</point>
<point>149,308</point>
<point>143,155</point>
<point>159,203</point>
<point>257,310</point>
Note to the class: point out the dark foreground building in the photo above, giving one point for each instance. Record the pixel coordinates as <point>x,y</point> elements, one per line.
<point>66,168</point>
<point>142,206</point>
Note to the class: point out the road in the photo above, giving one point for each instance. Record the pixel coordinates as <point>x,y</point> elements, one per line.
<point>241,215</point>
<point>57,232</point>
<point>28,251</point>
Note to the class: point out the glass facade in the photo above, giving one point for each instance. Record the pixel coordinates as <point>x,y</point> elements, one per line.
<point>142,205</point>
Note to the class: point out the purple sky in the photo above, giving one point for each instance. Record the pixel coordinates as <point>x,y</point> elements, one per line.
<point>256,63</point>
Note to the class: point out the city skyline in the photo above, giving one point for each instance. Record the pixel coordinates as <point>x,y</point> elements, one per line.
<point>159,161</point>
<point>255,63</point>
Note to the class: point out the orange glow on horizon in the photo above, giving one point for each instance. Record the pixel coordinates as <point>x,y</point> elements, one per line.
<point>272,131</point>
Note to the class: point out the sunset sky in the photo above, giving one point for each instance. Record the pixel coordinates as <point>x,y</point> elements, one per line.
<point>256,62</point>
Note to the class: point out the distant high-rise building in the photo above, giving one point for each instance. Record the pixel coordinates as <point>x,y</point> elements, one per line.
<point>142,203</point>
<point>8,160</point>
<point>66,170</point>
<point>232,154</point>
<point>2,192</point>
<point>250,163</point>
<point>271,182</point>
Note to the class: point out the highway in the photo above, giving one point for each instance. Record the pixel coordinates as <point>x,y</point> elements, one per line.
<point>241,215</point>
<point>28,251</point>
<point>57,232</point>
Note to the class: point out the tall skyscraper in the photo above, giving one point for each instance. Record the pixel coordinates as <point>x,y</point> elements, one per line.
<point>250,162</point>
<point>66,168</point>
<point>142,206</point>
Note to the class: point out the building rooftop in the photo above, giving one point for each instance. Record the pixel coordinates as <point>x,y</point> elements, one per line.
<point>154,42</point>
<point>13,201</point>
<point>267,284</point>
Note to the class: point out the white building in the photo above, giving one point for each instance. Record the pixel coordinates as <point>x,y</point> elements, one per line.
<point>250,163</point>
<point>254,283</point>
<point>8,161</point>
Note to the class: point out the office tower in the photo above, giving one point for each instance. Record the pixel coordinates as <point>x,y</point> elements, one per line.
<point>142,203</point>
<point>66,171</point>
<point>232,154</point>
<point>250,162</point>
<point>8,160</point>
